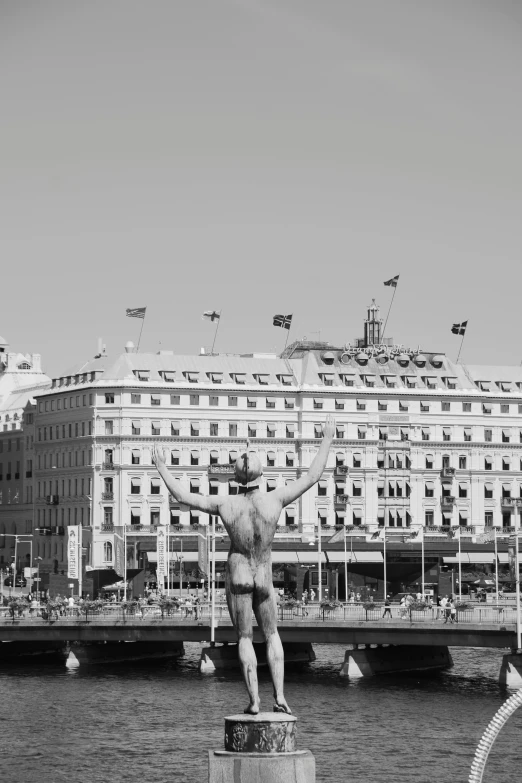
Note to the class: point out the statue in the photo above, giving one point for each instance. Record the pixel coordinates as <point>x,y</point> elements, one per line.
<point>250,519</point>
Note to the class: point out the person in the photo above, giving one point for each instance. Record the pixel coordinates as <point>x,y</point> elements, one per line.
<point>387,608</point>
<point>70,602</point>
<point>403,608</point>
<point>250,519</point>
<point>453,611</point>
<point>446,610</point>
<point>312,595</point>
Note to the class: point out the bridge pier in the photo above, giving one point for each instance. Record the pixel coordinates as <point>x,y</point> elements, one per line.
<point>115,652</point>
<point>225,657</point>
<point>369,660</point>
<point>511,670</point>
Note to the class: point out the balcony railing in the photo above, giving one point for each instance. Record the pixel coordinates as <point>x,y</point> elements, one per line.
<point>107,495</point>
<point>108,465</point>
<point>221,469</point>
<point>447,501</point>
<point>52,500</point>
<point>107,528</point>
<point>447,473</point>
<point>511,502</point>
<point>143,528</point>
<point>341,470</point>
<point>341,499</point>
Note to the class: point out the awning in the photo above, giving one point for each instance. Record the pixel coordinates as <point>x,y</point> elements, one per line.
<point>169,376</point>
<point>340,427</point>
<point>291,427</point>
<point>463,513</point>
<point>446,431</point>
<point>289,402</point>
<point>486,407</point>
<point>232,455</point>
<point>506,434</point>
<point>271,427</point>
<point>425,430</point>
<point>368,557</point>
<point>370,377</point>
<point>240,377</point>
<point>489,486</point>
<point>252,400</point>
<point>271,483</point>
<point>136,483</point>
<point>357,484</point>
<point>362,427</point>
<point>306,557</point>
<point>505,385</point>
<point>329,376</point>
<point>485,385</point>
<point>482,557</point>
<point>464,558</point>
<point>488,460</point>
<point>503,557</point>
<point>318,403</point>
<point>429,485</point>
<point>192,376</point>
<point>467,431</point>
<point>323,483</point>
<point>318,429</point>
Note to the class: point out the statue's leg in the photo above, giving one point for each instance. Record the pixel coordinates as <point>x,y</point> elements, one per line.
<point>239,587</point>
<point>265,609</point>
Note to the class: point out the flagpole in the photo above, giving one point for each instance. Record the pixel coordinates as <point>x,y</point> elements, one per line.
<point>462,342</point>
<point>384,557</point>
<point>345,567</point>
<point>215,333</point>
<point>141,330</point>
<point>124,562</point>
<point>287,336</point>
<point>460,568</point>
<point>422,561</point>
<point>517,581</point>
<point>389,311</point>
<point>496,563</point>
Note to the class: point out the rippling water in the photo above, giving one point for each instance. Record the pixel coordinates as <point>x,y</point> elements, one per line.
<point>155,721</point>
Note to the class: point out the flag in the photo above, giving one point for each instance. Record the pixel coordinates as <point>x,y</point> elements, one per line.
<point>459,328</point>
<point>337,536</point>
<point>119,550</point>
<point>212,315</point>
<point>73,532</point>
<point>455,533</point>
<point>486,537</point>
<point>285,321</point>
<point>136,312</point>
<point>392,281</point>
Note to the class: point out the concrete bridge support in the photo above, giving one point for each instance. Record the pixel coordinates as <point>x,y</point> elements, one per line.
<point>225,656</point>
<point>81,653</point>
<point>511,671</point>
<point>369,660</point>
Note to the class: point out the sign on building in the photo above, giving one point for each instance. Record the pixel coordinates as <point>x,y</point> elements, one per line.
<point>72,551</point>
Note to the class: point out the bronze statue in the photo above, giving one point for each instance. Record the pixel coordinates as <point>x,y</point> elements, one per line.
<point>250,519</point>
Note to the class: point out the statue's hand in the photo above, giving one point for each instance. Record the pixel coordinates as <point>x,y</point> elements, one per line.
<point>158,457</point>
<point>329,428</point>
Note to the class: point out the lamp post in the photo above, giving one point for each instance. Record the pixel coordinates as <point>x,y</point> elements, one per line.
<point>38,591</point>
<point>319,560</point>
<point>16,536</point>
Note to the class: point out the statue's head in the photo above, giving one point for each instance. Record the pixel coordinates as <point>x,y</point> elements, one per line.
<point>248,468</point>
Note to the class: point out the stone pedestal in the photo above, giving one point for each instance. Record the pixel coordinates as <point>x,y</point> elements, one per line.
<point>511,671</point>
<point>261,749</point>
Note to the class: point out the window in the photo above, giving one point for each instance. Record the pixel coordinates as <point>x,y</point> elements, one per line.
<point>357,460</point>
<point>428,518</point>
<point>214,429</point>
<point>506,436</point>
<point>328,379</point>
<point>174,457</point>
<point>194,429</point>
<point>270,430</point>
<point>270,459</point>
<point>155,486</point>
<point>194,486</point>
<point>107,552</point>
<point>155,400</point>
<point>252,431</point>
<point>504,408</point>
<point>403,406</point>
<point>446,433</point>
<point>357,489</point>
<point>318,431</point>
<point>290,456</point>
<point>445,461</point>
<point>463,518</point>
<point>486,408</point>
<point>488,436</point>
<point>361,405</point>
<point>174,428</point>
<point>429,489</point>
<point>136,427</point>
<point>270,403</point>
<point>214,457</point>
<point>290,430</point>
<point>425,433</point>
<point>467,433</point>
<point>232,488</point>
<point>175,399</point>
<point>213,400</point>
<point>425,407</point>
<point>322,487</point>
<point>339,431</point>
<point>462,463</point>
<point>488,463</point>
<point>109,426</point>
<point>321,517</point>
<point>463,490</point>
<point>155,428</point>
<point>270,484</point>
<point>446,406</point>
<point>135,516</point>
<point>318,404</point>
<point>488,490</point>
<point>339,405</point>
<point>466,407</point>
<point>109,398</point>
<point>405,433</point>
<point>361,433</point>
<point>251,402</point>
<point>135,457</point>
<point>506,463</point>
<point>289,403</point>
<point>429,462</point>
<point>290,517</point>
<point>107,515</point>
<point>232,457</point>
<point>232,401</point>
<point>194,399</point>
<point>382,406</point>
<point>383,433</point>
<point>488,519</point>
<point>135,486</point>
<point>262,378</point>
<point>194,457</point>
<point>213,488</point>
<point>154,516</point>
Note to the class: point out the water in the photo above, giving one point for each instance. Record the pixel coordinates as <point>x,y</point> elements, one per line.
<point>155,721</point>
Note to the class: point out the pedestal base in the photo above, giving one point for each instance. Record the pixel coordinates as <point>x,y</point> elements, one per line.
<point>511,671</point>
<point>296,767</point>
<point>266,732</point>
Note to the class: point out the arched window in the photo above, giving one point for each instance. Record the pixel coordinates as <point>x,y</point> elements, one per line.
<point>24,366</point>
<point>107,552</point>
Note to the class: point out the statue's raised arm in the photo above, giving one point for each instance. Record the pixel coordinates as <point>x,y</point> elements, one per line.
<point>294,490</point>
<point>210,505</point>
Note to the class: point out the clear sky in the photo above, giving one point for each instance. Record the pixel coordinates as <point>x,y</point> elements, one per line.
<point>259,156</point>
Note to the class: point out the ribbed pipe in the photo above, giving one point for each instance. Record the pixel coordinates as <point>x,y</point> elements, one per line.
<point>490,735</point>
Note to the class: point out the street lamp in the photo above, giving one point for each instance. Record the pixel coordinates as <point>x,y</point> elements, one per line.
<point>311,542</point>
<point>16,536</point>
<point>38,591</point>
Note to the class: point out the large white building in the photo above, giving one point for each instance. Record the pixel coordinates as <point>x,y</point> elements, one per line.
<point>420,441</point>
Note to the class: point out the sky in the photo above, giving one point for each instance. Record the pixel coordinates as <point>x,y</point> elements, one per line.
<point>259,157</point>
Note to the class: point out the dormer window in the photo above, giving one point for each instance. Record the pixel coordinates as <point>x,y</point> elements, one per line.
<point>327,378</point>
<point>215,377</point>
<point>24,366</point>
<point>286,380</point>
<point>238,377</point>
<point>262,379</point>
<point>390,381</point>
<point>191,377</point>
<point>484,385</point>
<point>430,381</point>
<point>369,380</point>
<point>504,385</point>
<point>348,379</point>
<point>168,376</point>
<point>142,375</point>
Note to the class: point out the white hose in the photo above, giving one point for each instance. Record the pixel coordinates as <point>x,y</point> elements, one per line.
<point>490,735</point>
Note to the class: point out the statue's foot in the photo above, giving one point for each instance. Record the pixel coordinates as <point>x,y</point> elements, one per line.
<point>282,706</point>
<point>252,709</point>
